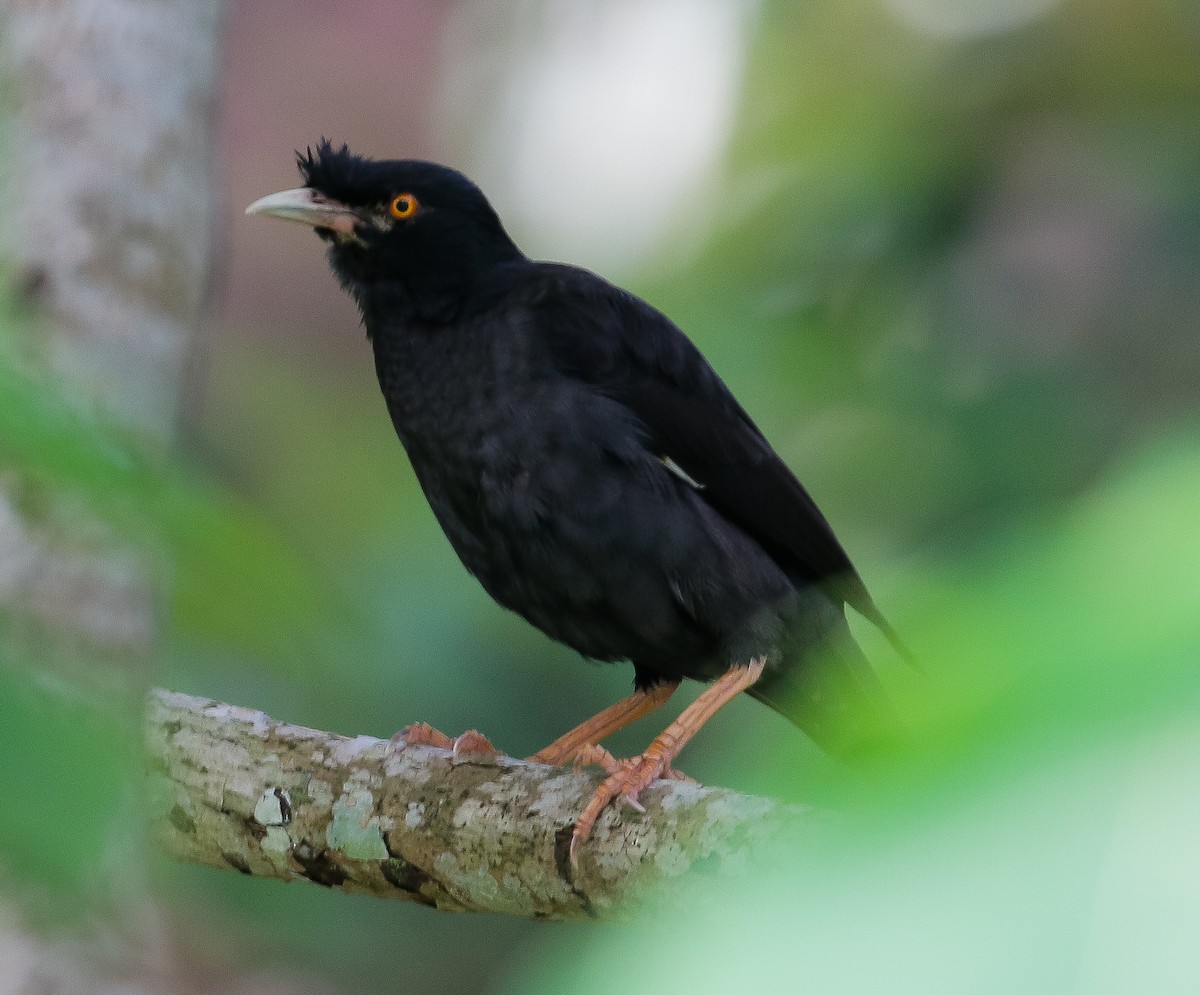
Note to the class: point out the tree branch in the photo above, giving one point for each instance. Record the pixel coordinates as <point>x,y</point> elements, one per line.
<point>232,788</point>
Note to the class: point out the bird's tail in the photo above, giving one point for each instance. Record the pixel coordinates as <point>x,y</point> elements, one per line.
<point>829,691</point>
<point>875,617</point>
<point>851,589</point>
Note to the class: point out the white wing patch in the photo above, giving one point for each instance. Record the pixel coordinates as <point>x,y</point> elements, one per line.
<point>679,471</point>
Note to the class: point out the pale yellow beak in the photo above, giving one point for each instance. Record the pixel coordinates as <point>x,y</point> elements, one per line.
<point>309,207</point>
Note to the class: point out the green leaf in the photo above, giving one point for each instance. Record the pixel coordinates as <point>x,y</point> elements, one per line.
<point>67,780</point>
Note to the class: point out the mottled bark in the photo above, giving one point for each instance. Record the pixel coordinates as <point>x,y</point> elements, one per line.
<point>232,788</point>
<point>108,174</point>
<point>110,151</point>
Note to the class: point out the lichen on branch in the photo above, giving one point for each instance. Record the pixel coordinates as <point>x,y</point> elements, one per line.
<point>230,787</point>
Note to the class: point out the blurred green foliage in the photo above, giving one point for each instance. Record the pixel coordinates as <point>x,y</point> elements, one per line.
<point>68,769</point>
<point>63,779</point>
<point>1005,849</point>
<point>960,269</point>
<point>229,565</point>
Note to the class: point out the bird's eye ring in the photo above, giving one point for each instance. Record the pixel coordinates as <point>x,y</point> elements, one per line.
<point>404,206</point>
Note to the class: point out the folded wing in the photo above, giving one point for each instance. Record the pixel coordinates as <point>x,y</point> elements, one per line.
<point>638,357</point>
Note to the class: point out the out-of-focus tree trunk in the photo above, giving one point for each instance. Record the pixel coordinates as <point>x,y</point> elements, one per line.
<point>109,155</point>
<point>109,151</point>
<point>112,150</point>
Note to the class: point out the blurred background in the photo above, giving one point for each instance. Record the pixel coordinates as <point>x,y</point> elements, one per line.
<point>947,253</point>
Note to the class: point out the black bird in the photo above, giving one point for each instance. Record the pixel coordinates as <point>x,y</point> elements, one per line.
<point>590,468</point>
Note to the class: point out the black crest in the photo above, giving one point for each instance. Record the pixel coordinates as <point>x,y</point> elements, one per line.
<point>360,181</point>
<point>341,175</point>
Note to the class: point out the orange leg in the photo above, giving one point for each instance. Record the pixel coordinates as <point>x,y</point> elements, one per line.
<point>632,776</point>
<point>587,734</point>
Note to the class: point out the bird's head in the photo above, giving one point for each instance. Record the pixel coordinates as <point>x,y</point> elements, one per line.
<point>415,227</point>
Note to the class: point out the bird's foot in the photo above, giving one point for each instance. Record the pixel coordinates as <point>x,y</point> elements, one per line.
<point>627,779</point>
<point>470,743</point>
<point>421,734</point>
<point>597,756</point>
<point>473,743</point>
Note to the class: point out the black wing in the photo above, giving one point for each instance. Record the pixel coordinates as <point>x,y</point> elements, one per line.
<point>636,355</point>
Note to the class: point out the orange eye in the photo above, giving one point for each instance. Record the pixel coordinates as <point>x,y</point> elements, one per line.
<point>404,206</point>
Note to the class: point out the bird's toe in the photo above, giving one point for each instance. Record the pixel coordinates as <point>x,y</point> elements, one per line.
<point>630,778</point>
<point>671,774</point>
<point>421,734</point>
<point>473,743</point>
<point>596,755</point>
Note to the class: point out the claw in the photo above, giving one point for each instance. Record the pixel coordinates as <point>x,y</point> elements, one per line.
<point>470,744</point>
<point>421,734</point>
<point>671,774</point>
<point>473,743</point>
<point>630,778</point>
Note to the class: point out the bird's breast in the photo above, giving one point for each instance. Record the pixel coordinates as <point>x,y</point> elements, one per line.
<point>491,437</point>
<point>550,497</point>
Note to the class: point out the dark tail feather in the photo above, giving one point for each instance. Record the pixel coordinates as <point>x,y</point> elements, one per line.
<point>875,617</point>
<point>833,696</point>
<point>859,598</point>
